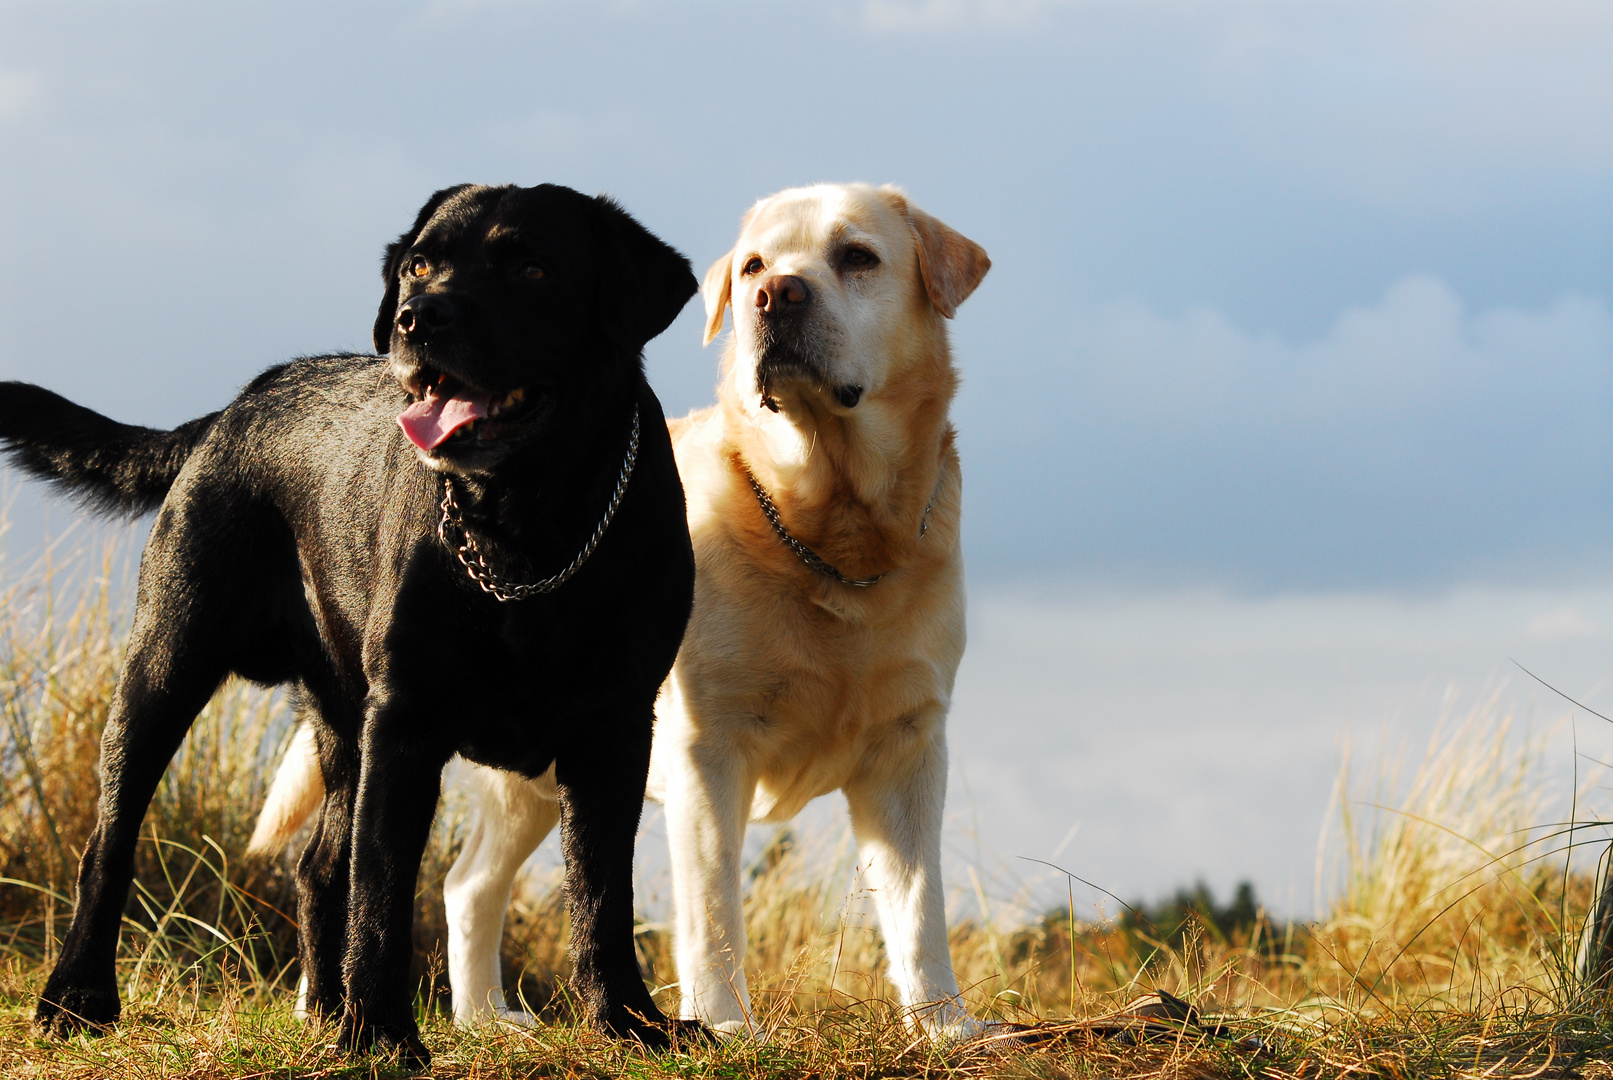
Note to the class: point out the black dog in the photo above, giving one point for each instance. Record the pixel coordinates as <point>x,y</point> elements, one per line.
<point>304,540</point>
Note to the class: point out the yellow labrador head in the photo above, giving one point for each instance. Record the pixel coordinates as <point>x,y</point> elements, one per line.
<point>836,290</point>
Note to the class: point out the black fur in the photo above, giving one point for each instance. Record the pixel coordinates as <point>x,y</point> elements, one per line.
<point>298,545</point>
<point>108,466</point>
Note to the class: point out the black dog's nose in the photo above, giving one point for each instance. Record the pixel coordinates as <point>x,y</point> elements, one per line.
<point>423,315</point>
<point>782,293</point>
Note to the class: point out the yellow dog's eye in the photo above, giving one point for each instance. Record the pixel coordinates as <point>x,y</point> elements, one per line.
<point>858,258</point>
<point>419,267</point>
<point>532,270</point>
<point>753,265</point>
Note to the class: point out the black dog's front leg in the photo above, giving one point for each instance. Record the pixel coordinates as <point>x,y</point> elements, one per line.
<point>399,780</point>
<point>601,799</point>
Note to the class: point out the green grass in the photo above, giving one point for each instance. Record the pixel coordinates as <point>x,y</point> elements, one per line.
<point>1447,953</point>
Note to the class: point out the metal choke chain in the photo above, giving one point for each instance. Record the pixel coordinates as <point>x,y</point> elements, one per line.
<point>811,558</point>
<point>470,556</point>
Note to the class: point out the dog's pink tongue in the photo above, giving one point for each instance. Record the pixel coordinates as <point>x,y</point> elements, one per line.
<point>430,421</point>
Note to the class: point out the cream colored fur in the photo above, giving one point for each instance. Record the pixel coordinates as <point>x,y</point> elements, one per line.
<point>790,685</point>
<point>296,792</point>
<point>511,816</point>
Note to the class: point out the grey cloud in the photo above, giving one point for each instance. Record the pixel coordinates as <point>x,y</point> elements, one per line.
<point>1414,443</point>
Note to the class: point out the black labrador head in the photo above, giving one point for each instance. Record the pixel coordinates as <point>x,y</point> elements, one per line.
<point>510,312</point>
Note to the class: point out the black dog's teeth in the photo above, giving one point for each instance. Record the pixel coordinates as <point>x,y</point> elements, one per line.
<point>513,400</point>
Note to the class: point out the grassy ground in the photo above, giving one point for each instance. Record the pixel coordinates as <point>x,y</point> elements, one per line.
<point>1448,952</point>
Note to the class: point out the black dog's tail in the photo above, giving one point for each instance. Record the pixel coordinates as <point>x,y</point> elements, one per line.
<point>111,467</point>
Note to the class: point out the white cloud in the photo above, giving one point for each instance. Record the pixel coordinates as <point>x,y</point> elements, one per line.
<point>19,92</point>
<point>1440,106</point>
<point>1535,77</point>
<point>1564,622</point>
<point>1433,105</point>
<point>905,16</point>
<point>1145,716</point>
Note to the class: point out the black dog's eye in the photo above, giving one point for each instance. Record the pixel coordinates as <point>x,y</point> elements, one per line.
<point>753,265</point>
<point>419,267</point>
<point>858,258</point>
<point>532,271</point>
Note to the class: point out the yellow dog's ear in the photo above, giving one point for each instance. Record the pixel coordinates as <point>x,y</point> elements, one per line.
<point>950,263</point>
<point>718,289</point>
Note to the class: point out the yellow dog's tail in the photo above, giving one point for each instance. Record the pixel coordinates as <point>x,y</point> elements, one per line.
<point>296,793</point>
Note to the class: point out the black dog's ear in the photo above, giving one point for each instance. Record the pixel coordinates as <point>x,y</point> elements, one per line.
<point>391,266</point>
<point>643,281</point>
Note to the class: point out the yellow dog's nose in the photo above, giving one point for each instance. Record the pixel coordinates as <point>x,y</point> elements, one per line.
<point>782,293</point>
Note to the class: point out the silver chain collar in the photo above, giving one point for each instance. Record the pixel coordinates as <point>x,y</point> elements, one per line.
<point>470,556</point>
<point>811,558</point>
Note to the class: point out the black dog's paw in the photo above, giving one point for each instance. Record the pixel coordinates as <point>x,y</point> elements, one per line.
<point>690,1032</point>
<point>358,1037</point>
<point>70,1010</point>
<point>662,1033</point>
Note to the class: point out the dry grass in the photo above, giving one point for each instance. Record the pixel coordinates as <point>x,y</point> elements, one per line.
<point>1447,953</point>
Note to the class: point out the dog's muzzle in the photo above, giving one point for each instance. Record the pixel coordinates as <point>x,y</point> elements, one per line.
<point>426,315</point>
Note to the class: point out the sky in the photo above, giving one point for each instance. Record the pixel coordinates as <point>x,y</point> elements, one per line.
<point>1300,315</point>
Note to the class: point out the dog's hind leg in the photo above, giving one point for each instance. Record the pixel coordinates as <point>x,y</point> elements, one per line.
<point>322,879</point>
<point>167,678</point>
<point>511,816</point>
<point>896,806</point>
